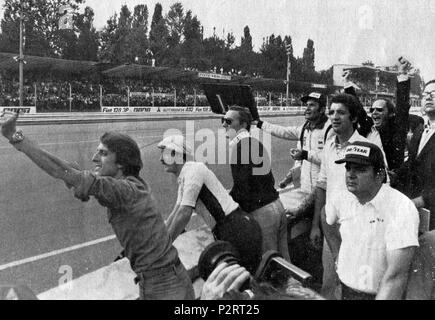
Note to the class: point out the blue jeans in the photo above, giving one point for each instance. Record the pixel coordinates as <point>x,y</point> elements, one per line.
<point>168,283</point>
<point>273,223</point>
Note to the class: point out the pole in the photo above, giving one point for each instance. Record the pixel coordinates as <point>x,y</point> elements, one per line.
<point>34,85</point>
<point>152,97</point>
<point>70,98</point>
<point>288,79</point>
<point>101,96</point>
<point>128,96</point>
<point>175,97</point>
<point>21,59</point>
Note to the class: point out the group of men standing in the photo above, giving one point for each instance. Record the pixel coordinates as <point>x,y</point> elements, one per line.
<point>371,230</point>
<point>368,230</point>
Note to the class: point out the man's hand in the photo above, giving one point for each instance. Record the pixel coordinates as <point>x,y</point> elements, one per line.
<point>316,237</point>
<point>285,182</point>
<point>224,278</point>
<point>418,202</point>
<point>404,66</point>
<point>8,122</point>
<point>346,75</point>
<point>296,154</point>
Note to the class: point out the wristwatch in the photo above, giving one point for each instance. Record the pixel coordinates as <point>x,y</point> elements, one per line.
<point>17,137</point>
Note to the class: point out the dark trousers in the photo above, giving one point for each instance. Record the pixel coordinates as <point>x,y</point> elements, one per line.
<point>307,257</point>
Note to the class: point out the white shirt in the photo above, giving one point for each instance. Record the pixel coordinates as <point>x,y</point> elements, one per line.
<point>374,136</point>
<point>241,134</point>
<point>197,182</point>
<point>388,222</point>
<point>313,143</point>
<point>429,130</point>
<point>332,175</point>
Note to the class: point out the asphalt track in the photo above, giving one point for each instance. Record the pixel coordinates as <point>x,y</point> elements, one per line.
<point>47,236</point>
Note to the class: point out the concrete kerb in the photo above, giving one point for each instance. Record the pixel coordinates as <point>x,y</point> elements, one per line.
<point>116,281</point>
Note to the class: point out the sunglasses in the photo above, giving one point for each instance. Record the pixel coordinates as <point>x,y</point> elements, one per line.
<point>227,121</point>
<point>429,94</point>
<point>376,109</point>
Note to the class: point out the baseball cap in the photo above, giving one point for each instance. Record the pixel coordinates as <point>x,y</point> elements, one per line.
<point>320,98</point>
<point>363,153</point>
<point>177,143</point>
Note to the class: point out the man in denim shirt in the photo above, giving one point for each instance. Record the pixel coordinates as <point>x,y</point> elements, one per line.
<point>131,208</point>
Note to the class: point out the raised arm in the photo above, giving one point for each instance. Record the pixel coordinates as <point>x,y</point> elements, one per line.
<point>402,112</point>
<point>54,166</point>
<point>287,133</point>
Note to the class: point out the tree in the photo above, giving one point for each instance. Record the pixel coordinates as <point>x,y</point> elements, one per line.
<point>107,37</point>
<point>42,34</point>
<point>246,43</point>
<point>115,35</point>
<point>368,63</point>
<point>273,55</point>
<point>175,21</point>
<point>192,47</point>
<point>158,34</point>
<point>214,52</point>
<point>230,41</point>
<point>308,57</point>
<point>88,40</point>
<point>124,37</point>
<point>137,40</point>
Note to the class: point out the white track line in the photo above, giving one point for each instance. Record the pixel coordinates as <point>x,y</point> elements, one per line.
<point>55,252</point>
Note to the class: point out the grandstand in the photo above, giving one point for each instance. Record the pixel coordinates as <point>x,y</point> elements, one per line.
<point>367,87</point>
<point>59,85</point>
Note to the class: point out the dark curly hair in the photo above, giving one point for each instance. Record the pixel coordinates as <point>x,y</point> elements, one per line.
<point>364,123</point>
<point>127,152</point>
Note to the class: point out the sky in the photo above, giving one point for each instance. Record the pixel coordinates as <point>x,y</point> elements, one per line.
<point>343,31</point>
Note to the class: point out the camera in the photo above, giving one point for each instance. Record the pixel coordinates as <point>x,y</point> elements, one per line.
<point>215,254</point>
<point>272,268</point>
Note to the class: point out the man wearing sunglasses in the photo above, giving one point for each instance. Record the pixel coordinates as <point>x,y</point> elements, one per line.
<point>253,182</point>
<point>416,176</point>
<point>390,123</point>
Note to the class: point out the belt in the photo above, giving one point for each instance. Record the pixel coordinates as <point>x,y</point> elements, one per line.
<point>154,272</point>
<point>352,294</point>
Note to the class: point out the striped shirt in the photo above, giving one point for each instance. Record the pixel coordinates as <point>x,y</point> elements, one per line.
<point>197,182</point>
